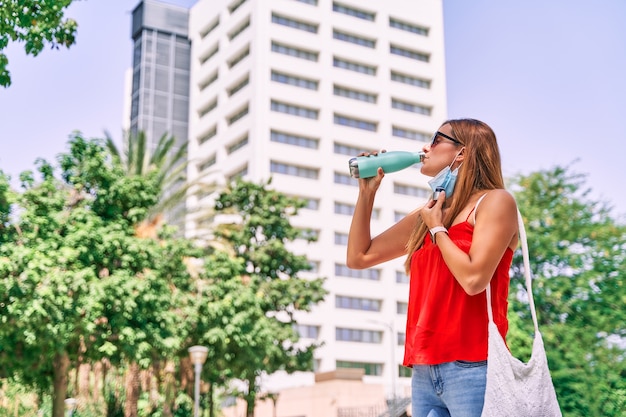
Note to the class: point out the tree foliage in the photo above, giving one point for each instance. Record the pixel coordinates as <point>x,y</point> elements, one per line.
<point>35,23</point>
<point>578,261</point>
<point>262,292</point>
<point>165,160</point>
<point>84,283</point>
<point>79,285</point>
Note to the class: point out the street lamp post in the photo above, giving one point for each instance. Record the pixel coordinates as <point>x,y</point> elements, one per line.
<point>198,356</point>
<point>392,368</point>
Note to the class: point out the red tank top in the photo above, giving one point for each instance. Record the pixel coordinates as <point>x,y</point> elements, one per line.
<point>444,323</point>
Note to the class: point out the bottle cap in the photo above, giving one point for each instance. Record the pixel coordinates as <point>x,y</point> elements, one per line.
<point>354,168</point>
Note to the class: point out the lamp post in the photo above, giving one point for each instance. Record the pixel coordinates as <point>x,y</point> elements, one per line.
<point>71,404</point>
<point>392,368</point>
<point>198,356</point>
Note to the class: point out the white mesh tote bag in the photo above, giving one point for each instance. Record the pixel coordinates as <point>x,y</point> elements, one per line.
<point>514,388</point>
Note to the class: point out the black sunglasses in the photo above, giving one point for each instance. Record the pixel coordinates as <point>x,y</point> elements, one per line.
<point>438,133</point>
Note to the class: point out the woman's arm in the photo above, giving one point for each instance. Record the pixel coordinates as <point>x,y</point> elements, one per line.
<point>363,251</point>
<point>494,231</point>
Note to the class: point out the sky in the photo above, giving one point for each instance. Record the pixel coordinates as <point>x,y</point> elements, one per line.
<point>548,76</point>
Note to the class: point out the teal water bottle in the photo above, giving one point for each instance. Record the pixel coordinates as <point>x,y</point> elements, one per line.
<point>366,166</point>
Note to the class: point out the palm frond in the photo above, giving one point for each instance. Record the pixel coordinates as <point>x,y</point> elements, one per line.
<point>111,147</point>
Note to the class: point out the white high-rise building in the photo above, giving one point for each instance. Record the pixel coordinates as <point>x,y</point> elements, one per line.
<point>292,89</point>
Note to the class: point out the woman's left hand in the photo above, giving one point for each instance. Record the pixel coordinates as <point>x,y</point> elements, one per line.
<point>432,212</point>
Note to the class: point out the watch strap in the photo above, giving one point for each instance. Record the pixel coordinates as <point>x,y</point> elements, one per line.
<point>436,230</point>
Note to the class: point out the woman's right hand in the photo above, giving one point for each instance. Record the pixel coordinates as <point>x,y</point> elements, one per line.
<point>370,185</point>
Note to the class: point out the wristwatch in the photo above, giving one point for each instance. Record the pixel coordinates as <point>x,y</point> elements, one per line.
<point>436,230</point>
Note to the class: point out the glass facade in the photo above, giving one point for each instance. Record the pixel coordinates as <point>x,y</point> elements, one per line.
<point>161,66</point>
<point>160,86</point>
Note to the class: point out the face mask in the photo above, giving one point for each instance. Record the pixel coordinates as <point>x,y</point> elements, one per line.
<point>444,180</point>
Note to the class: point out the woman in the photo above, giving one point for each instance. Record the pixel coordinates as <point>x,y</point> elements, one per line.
<point>456,246</point>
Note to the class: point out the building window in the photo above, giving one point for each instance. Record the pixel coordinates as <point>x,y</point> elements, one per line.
<point>208,135</point>
<point>292,23</point>
<point>237,87</point>
<point>404,372</point>
<point>356,303</point>
<point>311,203</point>
<point>240,173</point>
<point>348,209</point>
<point>238,115</point>
<point>237,145</point>
<point>410,134</point>
<point>295,52</point>
<point>354,12</point>
<point>355,123</point>
<point>307,331</point>
<point>341,238</point>
<point>410,80</point>
<point>210,28</point>
<point>235,5</point>
<point>314,267</point>
<point>208,108</point>
<point>310,235</point>
<point>372,369</point>
<point>342,149</point>
<point>312,2</point>
<point>400,338</point>
<point>204,58</point>
<point>357,335</point>
<point>345,179</point>
<point>238,30</point>
<point>410,107</point>
<point>342,208</point>
<point>207,163</point>
<point>354,94</point>
<point>294,110</point>
<point>354,66</point>
<point>408,27</point>
<point>410,190</point>
<point>402,277</point>
<point>283,78</point>
<point>369,274</point>
<point>398,215</point>
<point>408,53</point>
<point>208,81</point>
<point>295,140</point>
<point>294,170</point>
<point>239,57</point>
<point>401,307</point>
<point>357,40</point>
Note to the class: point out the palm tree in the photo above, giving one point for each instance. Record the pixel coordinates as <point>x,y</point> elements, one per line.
<point>164,160</point>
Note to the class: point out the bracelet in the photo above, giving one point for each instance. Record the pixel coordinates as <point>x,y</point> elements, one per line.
<point>436,230</point>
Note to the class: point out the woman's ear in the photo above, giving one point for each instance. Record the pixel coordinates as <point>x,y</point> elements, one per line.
<point>460,156</point>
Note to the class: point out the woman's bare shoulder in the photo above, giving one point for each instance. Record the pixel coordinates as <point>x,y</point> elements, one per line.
<point>498,200</point>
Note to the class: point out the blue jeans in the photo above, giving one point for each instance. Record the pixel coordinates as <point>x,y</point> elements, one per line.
<point>451,389</point>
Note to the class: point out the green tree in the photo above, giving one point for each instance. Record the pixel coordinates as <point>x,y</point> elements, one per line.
<point>255,290</point>
<point>80,284</point>
<point>37,24</point>
<point>578,260</point>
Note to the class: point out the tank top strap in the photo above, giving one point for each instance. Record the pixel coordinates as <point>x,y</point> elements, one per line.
<point>473,211</point>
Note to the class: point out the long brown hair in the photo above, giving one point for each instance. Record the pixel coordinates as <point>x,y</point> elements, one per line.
<point>481,170</point>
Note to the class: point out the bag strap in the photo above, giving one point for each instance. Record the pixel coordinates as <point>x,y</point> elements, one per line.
<point>531,301</point>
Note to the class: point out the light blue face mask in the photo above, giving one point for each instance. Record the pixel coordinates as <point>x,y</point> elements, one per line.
<point>445,180</point>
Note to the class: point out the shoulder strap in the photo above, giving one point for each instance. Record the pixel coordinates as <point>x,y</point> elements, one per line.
<point>531,301</point>
<point>475,208</point>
